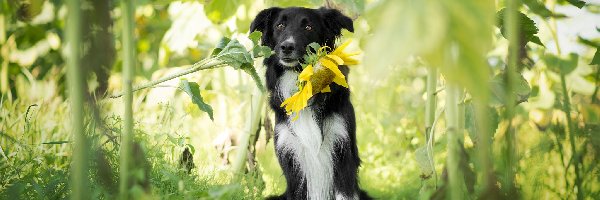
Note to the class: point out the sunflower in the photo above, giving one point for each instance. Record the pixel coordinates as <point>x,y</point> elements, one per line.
<point>318,75</point>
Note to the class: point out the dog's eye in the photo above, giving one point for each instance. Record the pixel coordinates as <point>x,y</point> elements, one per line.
<point>280,26</point>
<point>308,28</point>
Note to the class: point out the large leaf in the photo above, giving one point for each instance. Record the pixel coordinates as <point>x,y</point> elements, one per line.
<point>527,27</point>
<point>561,64</point>
<point>220,10</point>
<point>540,9</point>
<point>355,7</point>
<point>418,27</point>
<point>234,54</point>
<point>471,121</point>
<point>453,36</point>
<point>470,30</point>
<point>498,87</point>
<point>222,43</point>
<point>193,90</point>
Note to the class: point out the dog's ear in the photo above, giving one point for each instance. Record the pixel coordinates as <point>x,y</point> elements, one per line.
<point>336,21</point>
<point>263,21</point>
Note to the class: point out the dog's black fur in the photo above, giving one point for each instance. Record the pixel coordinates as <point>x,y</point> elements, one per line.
<point>325,26</point>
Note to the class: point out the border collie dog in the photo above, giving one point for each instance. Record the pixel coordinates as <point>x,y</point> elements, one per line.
<point>317,152</point>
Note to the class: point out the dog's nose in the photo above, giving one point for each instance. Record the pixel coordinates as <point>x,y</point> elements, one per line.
<point>287,47</point>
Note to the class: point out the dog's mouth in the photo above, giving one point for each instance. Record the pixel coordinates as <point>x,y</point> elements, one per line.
<point>289,62</point>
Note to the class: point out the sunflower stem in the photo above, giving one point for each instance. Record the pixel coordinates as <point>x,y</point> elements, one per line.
<point>512,22</point>
<point>128,72</point>
<point>79,167</point>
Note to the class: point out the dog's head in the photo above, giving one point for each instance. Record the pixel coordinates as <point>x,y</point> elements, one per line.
<point>289,30</point>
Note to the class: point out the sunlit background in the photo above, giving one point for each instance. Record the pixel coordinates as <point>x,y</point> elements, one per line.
<point>398,39</point>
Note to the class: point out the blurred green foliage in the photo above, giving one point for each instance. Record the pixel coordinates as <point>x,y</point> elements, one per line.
<point>401,40</point>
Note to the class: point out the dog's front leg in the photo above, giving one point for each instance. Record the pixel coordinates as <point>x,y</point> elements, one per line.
<point>284,147</point>
<point>345,158</point>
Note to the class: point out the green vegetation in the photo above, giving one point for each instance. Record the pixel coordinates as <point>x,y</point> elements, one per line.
<point>161,99</point>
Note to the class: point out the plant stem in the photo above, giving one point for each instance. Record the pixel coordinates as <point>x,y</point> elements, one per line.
<point>208,63</point>
<point>128,72</point>
<point>512,22</point>
<point>79,177</point>
<point>484,141</point>
<point>430,107</point>
<point>571,132</point>
<point>252,125</point>
<point>430,120</point>
<point>455,183</point>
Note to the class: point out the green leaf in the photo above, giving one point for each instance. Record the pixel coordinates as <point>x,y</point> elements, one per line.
<point>259,51</point>
<point>220,10</point>
<point>353,6</point>
<point>540,9</point>
<point>498,88</point>
<point>423,160</point>
<point>527,27</point>
<point>559,64</point>
<point>596,59</point>
<point>193,90</point>
<point>222,43</point>
<point>233,54</point>
<point>56,142</point>
<point>588,42</point>
<point>577,3</point>
<point>471,121</point>
<point>314,46</point>
<point>255,37</point>
<point>466,18</point>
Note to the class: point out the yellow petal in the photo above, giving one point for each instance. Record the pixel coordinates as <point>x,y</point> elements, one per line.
<point>331,66</point>
<point>326,89</point>
<point>306,73</point>
<point>352,53</point>
<point>350,61</point>
<point>337,59</point>
<point>287,101</point>
<point>340,81</point>
<point>341,48</point>
<point>307,94</point>
<point>296,117</point>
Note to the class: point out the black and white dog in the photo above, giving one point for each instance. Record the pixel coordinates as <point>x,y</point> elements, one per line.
<point>317,152</point>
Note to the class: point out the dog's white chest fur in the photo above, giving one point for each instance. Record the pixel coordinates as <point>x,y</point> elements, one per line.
<point>312,149</point>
